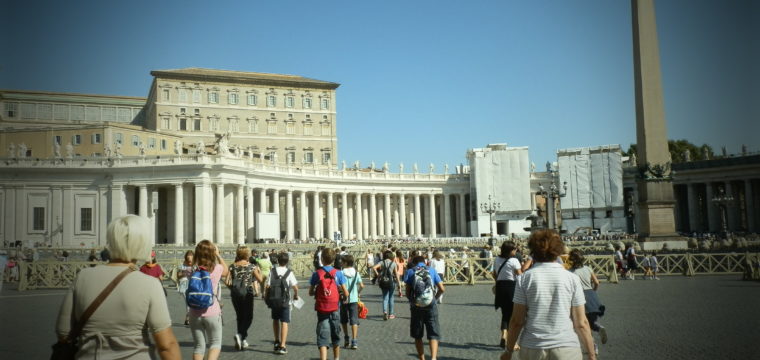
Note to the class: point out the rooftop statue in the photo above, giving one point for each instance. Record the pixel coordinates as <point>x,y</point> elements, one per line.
<point>56,149</point>
<point>69,151</point>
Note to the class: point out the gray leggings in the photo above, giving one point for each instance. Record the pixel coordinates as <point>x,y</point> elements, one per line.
<point>206,329</point>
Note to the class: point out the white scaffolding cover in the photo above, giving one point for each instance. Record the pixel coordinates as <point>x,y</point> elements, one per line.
<point>594,177</point>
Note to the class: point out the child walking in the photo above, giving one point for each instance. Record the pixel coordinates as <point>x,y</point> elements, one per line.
<point>325,285</point>
<point>349,309</point>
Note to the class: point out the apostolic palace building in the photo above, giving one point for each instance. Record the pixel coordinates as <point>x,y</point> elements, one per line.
<point>238,156</point>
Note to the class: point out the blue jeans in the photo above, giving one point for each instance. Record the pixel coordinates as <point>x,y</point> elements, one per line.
<point>388,299</point>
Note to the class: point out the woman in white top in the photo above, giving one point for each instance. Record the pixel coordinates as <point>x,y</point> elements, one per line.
<point>549,315</point>
<point>505,270</point>
<point>439,266</point>
<point>589,282</point>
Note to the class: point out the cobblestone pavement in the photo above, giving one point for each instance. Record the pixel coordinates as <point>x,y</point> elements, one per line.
<point>705,317</point>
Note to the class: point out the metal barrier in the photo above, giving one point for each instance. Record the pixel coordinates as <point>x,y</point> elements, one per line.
<point>459,271</point>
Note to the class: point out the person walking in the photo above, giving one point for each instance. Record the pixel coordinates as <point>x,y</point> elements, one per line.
<point>438,264</point>
<point>265,265</point>
<point>388,280</point>
<point>548,314</point>
<point>206,323</point>
<point>633,265</point>
<point>325,285</point>
<point>506,270</point>
<point>589,282</point>
<point>349,308</point>
<point>423,285</point>
<point>283,279</point>
<point>122,325</point>
<point>653,265</point>
<point>242,275</point>
<point>184,273</point>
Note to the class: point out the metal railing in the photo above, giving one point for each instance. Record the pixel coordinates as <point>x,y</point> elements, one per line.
<point>459,271</point>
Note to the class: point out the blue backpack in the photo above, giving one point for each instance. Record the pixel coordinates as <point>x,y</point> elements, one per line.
<point>200,290</point>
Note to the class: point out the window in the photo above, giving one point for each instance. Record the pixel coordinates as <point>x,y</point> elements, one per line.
<point>271,101</point>
<point>325,104</point>
<point>213,124</point>
<point>60,112</point>
<point>38,218</point>
<point>232,125</point>
<point>166,94</point>
<point>57,139</point>
<point>608,214</point>
<point>124,115</point>
<point>307,103</point>
<point>183,124</point>
<point>197,125</point>
<point>307,129</point>
<point>325,129</point>
<point>118,138</point>
<point>308,157</point>
<point>11,109</point>
<point>252,100</point>
<point>196,96</point>
<point>182,95</point>
<point>135,140</point>
<point>197,112</point>
<point>151,143</point>
<point>253,126</point>
<point>76,140</point>
<point>182,111</point>
<point>163,144</point>
<point>271,156</point>
<point>326,158</point>
<point>291,157</point>
<point>232,98</point>
<point>95,139</point>
<point>165,123</point>
<point>290,128</point>
<point>289,101</point>
<point>213,97</point>
<point>77,112</point>
<point>85,222</point>
<point>272,127</point>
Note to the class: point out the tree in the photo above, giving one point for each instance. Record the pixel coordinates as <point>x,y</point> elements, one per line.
<point>678,149</point>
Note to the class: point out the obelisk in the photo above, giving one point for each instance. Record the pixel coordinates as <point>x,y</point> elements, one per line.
<point>655,200</point>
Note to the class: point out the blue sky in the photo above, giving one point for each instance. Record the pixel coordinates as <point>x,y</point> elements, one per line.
<point>422,81</point>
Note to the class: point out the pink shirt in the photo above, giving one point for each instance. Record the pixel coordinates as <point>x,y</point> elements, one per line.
<point>214,309</point>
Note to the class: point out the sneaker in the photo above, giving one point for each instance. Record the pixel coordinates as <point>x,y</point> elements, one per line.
<point>385,316</point>
<point>656,278</point>
<point>245,344</point>
<point>282,351</point>
<point>392,317</point>
<point>354,344</point>
<point>276,347</point>
<point>238,342</point>
<point>345,342</point>
<point>603,334</point>
<point>596,349</point>
<point>503,343</point>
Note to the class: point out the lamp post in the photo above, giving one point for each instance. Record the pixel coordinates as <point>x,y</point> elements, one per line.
<point>722,200</point>
<point>549,197</point>
<point>490,207</point>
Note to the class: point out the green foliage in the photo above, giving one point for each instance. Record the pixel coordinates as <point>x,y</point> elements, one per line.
<point>678,149</point>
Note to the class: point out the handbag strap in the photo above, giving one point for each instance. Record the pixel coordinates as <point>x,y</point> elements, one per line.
<point>501,267</point>
<point>79,325</point>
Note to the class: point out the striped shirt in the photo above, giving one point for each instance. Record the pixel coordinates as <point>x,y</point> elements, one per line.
<point>548,291</point>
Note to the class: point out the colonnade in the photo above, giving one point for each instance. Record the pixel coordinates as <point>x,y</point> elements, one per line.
<point>698,210</point>
<point>227,213</point>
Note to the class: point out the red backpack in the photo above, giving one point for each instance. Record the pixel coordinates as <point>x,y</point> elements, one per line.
<point>327,292</point>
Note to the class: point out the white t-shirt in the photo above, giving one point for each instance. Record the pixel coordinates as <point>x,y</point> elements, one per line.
<point>438,265</point>
<point>549,292</point>
<point>508,272</point>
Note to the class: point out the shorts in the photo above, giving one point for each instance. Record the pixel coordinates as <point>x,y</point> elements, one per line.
<point>424,319</point>
<point>282,314</point>
<point>349,313</point>
<point>569,353</point>
<point>328,329</point>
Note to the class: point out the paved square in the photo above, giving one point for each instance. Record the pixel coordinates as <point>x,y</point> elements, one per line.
<point>705,317</point>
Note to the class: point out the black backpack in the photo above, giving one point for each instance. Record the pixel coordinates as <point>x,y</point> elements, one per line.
<point>241,285</point>
<point>386,277</point>
<point>338,261</point>
<point>278,296</point>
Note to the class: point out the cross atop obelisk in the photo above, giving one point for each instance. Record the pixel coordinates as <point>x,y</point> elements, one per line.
<point>656,202</point>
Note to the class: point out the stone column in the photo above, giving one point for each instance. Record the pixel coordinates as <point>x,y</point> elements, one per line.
<point>344,216</point>
<point>732,209</point>
<point>304,229</point>
<point>358,217</point>
<point>380,216</point>
<point>249,214</point>
<point>372,217</point>
<point>263,201</point>
<point>219,224</point>
<point>317,215</point>
<point>143,210</point>
<point>179,218</point>
<point>446,215</point>
<point>330,219</point>
<point>387,214</point>
<point>239,216</point>
<point>402,214</point>
<point>276,201</point>
<point>417,219</point>
<point>749,203</point>
<point>203,213</point>
<point>432,216</point>
<point>463,215</point>
<point>693,209</point>
<point>290,227</point>
<point>713,224</point>
<point>365,218</point>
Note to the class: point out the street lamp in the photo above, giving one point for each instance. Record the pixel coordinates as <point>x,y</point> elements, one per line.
<point>549,197</point>
<point>490,207</point>
<point>722,200</point>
